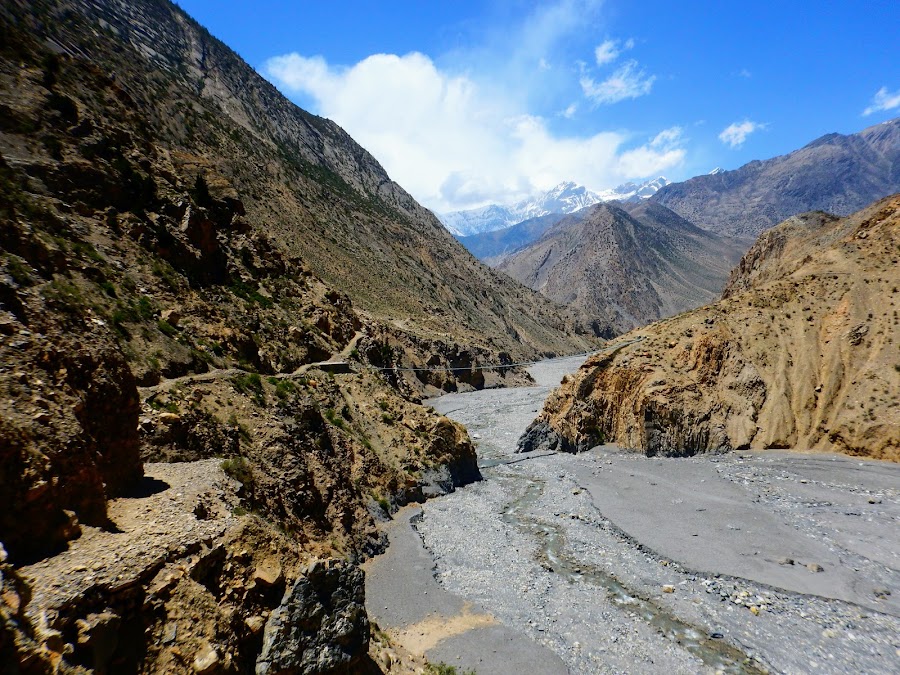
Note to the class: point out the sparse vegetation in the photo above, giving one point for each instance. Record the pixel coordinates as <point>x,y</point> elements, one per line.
<point>444,669</point>
<point>251,385</point>
<point>239,469</point>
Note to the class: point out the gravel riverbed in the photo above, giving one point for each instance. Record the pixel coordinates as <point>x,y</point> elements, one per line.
<point>610,562</point>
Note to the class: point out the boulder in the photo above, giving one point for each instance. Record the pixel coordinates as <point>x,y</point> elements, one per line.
<point>321,626</point>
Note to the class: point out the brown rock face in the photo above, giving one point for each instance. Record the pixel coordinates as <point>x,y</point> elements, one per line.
<point>68,427</point>
<point>801,353</point>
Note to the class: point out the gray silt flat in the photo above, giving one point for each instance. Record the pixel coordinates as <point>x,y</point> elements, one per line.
<point>687,511</point>
<point>401,592</point>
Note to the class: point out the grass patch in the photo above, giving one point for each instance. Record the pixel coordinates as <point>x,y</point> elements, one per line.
<point>283,387</point>
<point>239,469</point>
<point>444,669</point>
<point>168,406</point>
<point>334,418</point>
<point>18,270</point>
<point>65,294</point>
<point>167,273</point>
<point>246,292</point>
<point>166,328</point>
<point>251,385</point>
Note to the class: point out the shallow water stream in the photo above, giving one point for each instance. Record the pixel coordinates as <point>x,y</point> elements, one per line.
<point>553,554</point>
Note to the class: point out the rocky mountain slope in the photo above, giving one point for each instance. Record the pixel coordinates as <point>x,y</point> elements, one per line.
<point>800,353</point>
<point>835,173</point>
<point>198,435</point>
<point>567,197</point>
<point>626,265</point>
<point>301,178</point>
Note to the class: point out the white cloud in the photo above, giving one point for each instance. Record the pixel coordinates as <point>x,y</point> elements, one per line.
<point>662,152</point>
<point>736,133</point>
<point>455,144</point>
<point>883,100</point>
<point>628,81</point>
<point>570,111</point>
<point>609,50</point>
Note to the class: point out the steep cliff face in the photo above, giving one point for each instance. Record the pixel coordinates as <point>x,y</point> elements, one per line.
<point>625,265</point>
<point>801,353</point>
<point>835,173</point>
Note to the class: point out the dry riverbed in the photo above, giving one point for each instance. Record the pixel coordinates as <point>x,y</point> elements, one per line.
<point>612,562</point>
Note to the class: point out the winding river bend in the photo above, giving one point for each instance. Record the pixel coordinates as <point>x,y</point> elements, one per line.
<point>612,562</point>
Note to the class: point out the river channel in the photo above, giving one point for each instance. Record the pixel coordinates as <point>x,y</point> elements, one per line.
<point>612,562</point>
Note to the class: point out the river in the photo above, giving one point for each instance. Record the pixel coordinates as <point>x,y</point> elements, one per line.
<point>612,562</point>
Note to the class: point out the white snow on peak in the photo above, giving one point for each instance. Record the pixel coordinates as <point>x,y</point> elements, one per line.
<point>716,171</point>
<point>567,197</point>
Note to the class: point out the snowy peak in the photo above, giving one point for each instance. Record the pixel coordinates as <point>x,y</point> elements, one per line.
<point>716,171</point>
<point>567,197</point>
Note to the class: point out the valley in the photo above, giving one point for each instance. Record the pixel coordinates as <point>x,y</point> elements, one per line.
<point>263,410</point>
<point>609,561</point>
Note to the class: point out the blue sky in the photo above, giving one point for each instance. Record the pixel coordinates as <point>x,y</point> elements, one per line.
<point>466,103</point>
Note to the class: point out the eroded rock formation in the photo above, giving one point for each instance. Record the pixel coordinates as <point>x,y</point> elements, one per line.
<point>800,353</point>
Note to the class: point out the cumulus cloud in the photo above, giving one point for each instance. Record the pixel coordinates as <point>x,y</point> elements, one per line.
<point>736,133</point>
<point>455,144</point>
<point>883,100</point>
<point>627,81</point>
<point>609,50</point>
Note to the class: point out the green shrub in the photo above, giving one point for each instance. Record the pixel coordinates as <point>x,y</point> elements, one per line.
<point>166,328</point>
<point>239,469</point>
<point>251,385</point>
<point>334,418</point>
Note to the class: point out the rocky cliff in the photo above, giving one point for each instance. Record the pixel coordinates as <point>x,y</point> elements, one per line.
<point>800,353</point>
<point>625,265</point>
<point>836,173</point>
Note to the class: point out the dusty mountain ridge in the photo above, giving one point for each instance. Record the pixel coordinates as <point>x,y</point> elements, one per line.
<point>800,353</point>
<point>624,265</point>
<point>836,173</point>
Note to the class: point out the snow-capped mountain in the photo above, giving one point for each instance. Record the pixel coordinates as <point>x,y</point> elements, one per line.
<point>716,171</point>
<point>566,197</point>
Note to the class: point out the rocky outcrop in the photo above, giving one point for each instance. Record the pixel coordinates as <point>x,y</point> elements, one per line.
<point>801,353</point>
<point>835,173</point>
<point>68,418</point>
<point>320,627</point>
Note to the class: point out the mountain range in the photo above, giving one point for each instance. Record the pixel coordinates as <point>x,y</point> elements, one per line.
<point>836,173</point>
<point>626,264</point>
<point>565,198</point>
